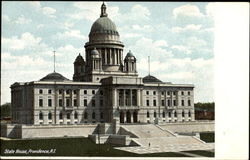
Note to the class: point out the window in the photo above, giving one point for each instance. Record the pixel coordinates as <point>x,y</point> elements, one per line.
<point>174,102</point>
<point>68,91</point>
<point>168,93</point>
<point>163,114</point>
<point>85,92</point>
<point>50,116</point>
<point>101,115</point>
<point>154,92</point>
<point>40,91</point>
<point>68,115</point>
<point>60,91</point>
<point>93,115</point>
<point>175,114</point>
<point>183,113</point>
<point>60,103</point>
<point>85,115</point>
<point>189,103</point>
<point>188,93</point>
<point>101,102</point>
<point>60,115</point>
<point>76,115</point>
<point>174,93</point>
<point>147,92</point>
<point>162,93</point>
<point>101,92</point>
<point>49,102</point>
<point>75,91</point>
<point>40,116</point>
<point>49,91</point>
<point>75,102</point>
<point>189,114</point>
<point>162,103</point>
<point>40,102</point>
<point>182,102</point>
<point>154,114</point>
<point>67,102</point>
<point>154,102</point>
<point>93,91</point>
<point>182,93</point>
<point>147,102</point>
<point>93,103</point>
<point>169,114</point>
<point>169,102</point>
<point>148,114</point>
<point>85,102</point>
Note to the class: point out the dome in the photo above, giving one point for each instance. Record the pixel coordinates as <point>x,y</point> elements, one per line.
<point>79,59</point>
<point>130,54</point>
<point>104,25</point>
<point>151,79</point>
<point>95,53</point>
<point>54,77</point>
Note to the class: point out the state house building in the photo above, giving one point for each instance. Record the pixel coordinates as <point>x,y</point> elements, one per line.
<point>105,88</point>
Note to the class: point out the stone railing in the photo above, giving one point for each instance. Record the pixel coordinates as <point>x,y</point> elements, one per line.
<point>128,107</point>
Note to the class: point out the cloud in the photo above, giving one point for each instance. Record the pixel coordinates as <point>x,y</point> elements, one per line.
<point>48,11</point>
<point>187,28</point>
<point>23,20</point>
<point>26,40</point>
<point>181,48</point>
<point>143,28</point>
<point>71,34</point>
<point>187,10</point>
<point>148,47</point>
<point>6,18</point>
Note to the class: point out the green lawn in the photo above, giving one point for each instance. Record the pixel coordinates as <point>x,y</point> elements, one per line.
<point>207,137</point>
<point>72,147</point>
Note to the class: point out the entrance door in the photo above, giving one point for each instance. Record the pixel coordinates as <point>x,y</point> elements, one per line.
<point>135,117</point>
<point>128,116</point>
<point>121,117</point>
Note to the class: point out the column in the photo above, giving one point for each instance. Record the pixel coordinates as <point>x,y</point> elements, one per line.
<point>115,52</point>
<point>72,118</point>
<point>57,117</point>
<point>132,116</point>
<point>131,97</point>
<point>172,116</point>
<point>63,98</point>
<point>110,56</point>
<point>105,56</point>
<point>179,115</point>
<point>186,115</point>
<point>72,97</point>
<point>114,97</point>
<point>64,118</point>
<point>192,115</point>
<point>138,97</point>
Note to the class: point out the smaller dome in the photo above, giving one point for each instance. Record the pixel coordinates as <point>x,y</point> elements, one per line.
<point>130,54</point>
<point>151,79</point>
<point>54,77</point>
<point>95,53</point>
<point>79,59</point>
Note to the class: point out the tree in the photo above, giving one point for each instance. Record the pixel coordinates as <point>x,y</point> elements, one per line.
<point>5,110</point>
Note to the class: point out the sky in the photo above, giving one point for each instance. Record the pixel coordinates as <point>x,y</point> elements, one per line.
<point>178,37</point>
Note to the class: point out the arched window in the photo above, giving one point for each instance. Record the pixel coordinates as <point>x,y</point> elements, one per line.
<point>68,115</point>
<point>163,114</point>
<point>50,116</point>
<point>40,116</point>
<point>169,114</point>
<point>85,115</point>
<point>60,115</point>
<point>183,113</point>
<point>148,114</point>
<point>189,114</point>
<point>154,114</point>
<point>175,114</point>
<point>101,115</point>
<point>93,115</point>
<point>76,115</point>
